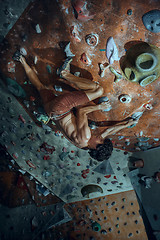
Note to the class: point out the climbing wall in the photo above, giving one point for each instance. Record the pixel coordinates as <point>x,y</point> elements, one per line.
<point>68,172</point>
<point>112,217</point>
<point>49,31</point>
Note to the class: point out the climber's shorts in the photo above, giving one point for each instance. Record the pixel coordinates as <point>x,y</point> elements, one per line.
<point>60,106</point>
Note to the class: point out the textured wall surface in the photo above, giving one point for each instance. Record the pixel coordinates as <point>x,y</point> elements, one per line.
<point>59,26</point>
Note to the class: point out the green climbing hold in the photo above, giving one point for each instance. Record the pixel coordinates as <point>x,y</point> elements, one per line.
<point>43,118</point>
<point>15,88</point>
<point>96,227</point>
<point>49,69</point>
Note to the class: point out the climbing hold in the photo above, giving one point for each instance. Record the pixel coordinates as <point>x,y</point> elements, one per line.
<point>87,189</point>
<point>38,29</point>
<point>46,157</point>
<point>92,125</point>
<point>81,12</point>
<point>49,69</point>
<point>96,227</point>
<point>92,39</point>
<point>15,88</point>
<point>103,68</point>
<point>43,118</point>
<point>75,33</point>
<point>32,99</point>
<point>11,67</point>
<point>63,155</point>
<point>77,74</point>
<point>21,118</point>
<point>23,36</point>
<point>67,50</point>
<point>118,76</point>
<point>16,55</point>
<point>124,98</point>
<point>104,168</point>
<point>148,106</point>
<point>146,62</point>
<point>15,155</point>
<point>23,51</point>
<point>129,11</point>
<point>98,180</point>
<point>31,164</point>
<point>143,139</point>
<point>139,163</point>
<point>35,60</point>
<point>85,59</point>
<point>151,20</point>
<point>156,139</point>
<point>103,99</point>
<point>144,82</point>
<point>136,115</point>
<point>58,88</point>
<point>144,67</point>
<point>111,51</point>
<point>46,174</point>
<point>42,189</point>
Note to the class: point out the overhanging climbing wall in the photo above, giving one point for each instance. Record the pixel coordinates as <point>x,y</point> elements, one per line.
<point>45,29</point>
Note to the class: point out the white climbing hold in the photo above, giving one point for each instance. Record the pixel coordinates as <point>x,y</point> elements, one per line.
<point>124,98</point>
<point>38,29</point>
<point>68,51</point>
<point>23,51</point>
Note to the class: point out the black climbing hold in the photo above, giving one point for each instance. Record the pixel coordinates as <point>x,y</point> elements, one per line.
<point>113,203</point>
<point>130,234</point>
<point>151,20</point>
<point>16,56</point>
<point>24,37</point>
<point>129,12</point>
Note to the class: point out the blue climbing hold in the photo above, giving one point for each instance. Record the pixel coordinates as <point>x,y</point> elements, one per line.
<point>151,20</point>
<point>103,99</point>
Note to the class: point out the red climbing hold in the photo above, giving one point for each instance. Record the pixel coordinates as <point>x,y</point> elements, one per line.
<point>31,164</point>
<point>46,157</point>
<point>81,11</point>
<point>107,176</point>
<point>84,175</point>
<point>84,58</point>
<point>21,118</point>
<point>32,99</point>
<point>87,170</point>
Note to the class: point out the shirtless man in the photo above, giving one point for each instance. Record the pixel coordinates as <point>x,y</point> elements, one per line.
<point>60,109</point>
